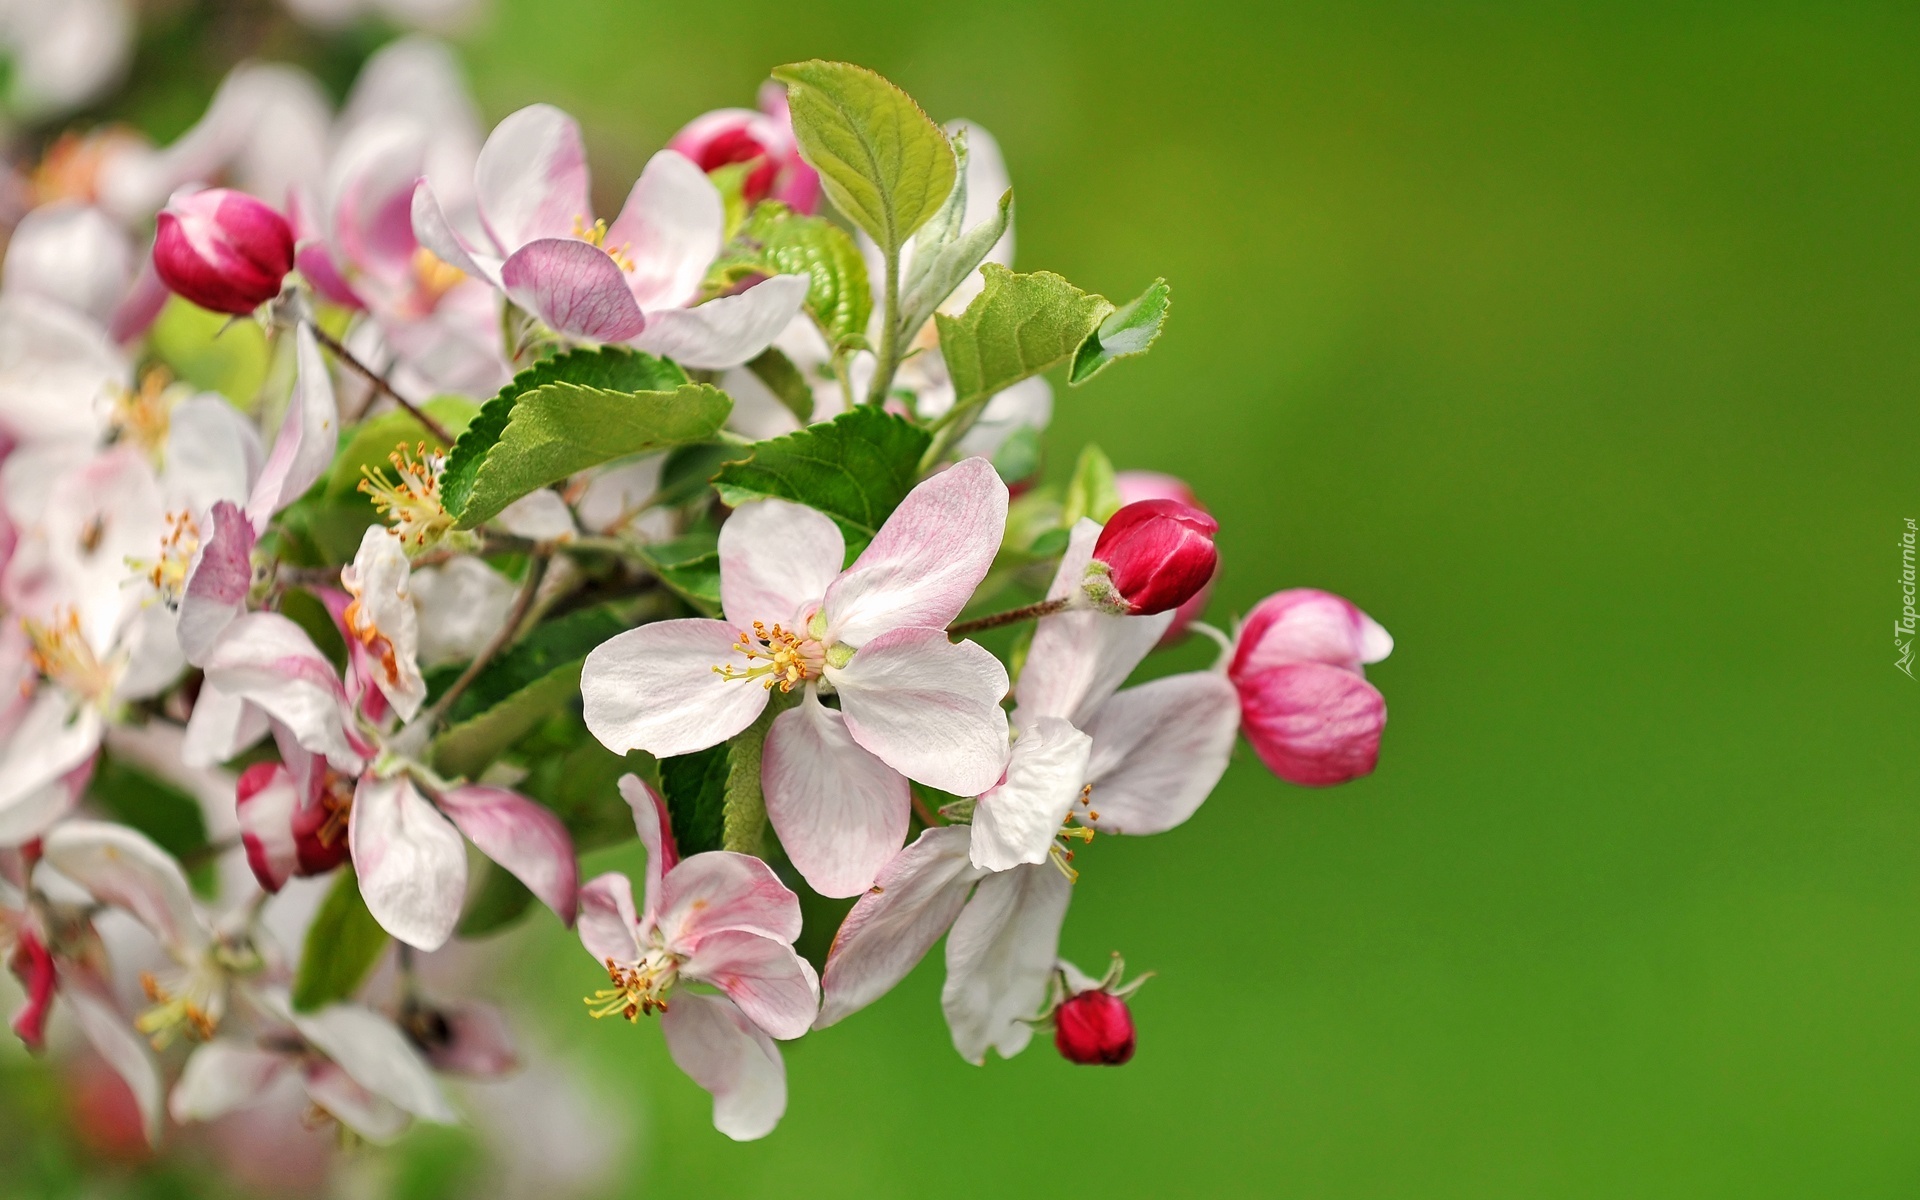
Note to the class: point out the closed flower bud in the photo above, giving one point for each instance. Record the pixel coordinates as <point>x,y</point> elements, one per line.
<point>1094,1029</point>
<point>1152,556</point>
<point>223,250</point>
<point>765,139</point>
<point>1305,703</point>
<point>286,833</point>
<point>1153,485</point>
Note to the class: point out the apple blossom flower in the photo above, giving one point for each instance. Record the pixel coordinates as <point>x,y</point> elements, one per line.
<point>1091,1023</point>
<point>1298,664</point>
<point>635,281</point>
<point>1152,557</point>
<point>764,139</point>
<point>717,918</point>
<point>222,249</point>
<point>73,254</point>
<point>912,703</point>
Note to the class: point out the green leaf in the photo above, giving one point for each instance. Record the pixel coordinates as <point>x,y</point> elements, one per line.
<point>785,381</point>
<point>610,369</point>
<point>582,787</point>
<point>1130,330</point>
<point>342,945</point>
<point>500,902</point>
<point>778,241</point>
<point>745,827</point>
<point>944,253</point>
<point>563,427</point>
<point>1018,456</point>
<point>548,647</point>
<point>689,469</point>
<point>163,812</point>
<point>1092,492</point>
<point>882,161</point>
<point>468,747</point>
<point>855,468</point>
<point>690,566</point>
<point>1017,327</point>
<point>695,789</point>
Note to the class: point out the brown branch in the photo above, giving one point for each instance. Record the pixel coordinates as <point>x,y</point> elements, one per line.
<point>536,571</point>
<point>1013,616</point>
<point>380,383</point>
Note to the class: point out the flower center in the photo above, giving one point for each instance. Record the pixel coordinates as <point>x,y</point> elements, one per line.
<point>361,626</point>
<point>143,415</point>
<point>639,988</point>
<point>60,652</point>
<point>596,235</point>
<point>1059,853</point>
<point>780,656</point>
<point>410,499</point>
<point>192,1005</point>
<point>168,572</point>
<point>433,278</point>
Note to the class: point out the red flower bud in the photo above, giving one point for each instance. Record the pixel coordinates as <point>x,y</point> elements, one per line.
<point>223,250</point>
<point>1153,485</point>
<point>33,967</point>
<point>1153,555</point>
<point>1094,1028</point>
<point>286,833</point>
<point>1305,703</point>
<point>740,135</point>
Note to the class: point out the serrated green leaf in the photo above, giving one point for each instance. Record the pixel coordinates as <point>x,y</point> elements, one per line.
<point>342,945</point>
<point>1017,327</point>
<point>561,428</point>
<point>785,381</point>
<point>689,469</point>
<point>690,566</point>
<point>882,161</point>
<point>1092,492</point>
<point>163,812</point>
<point>500,901</point>
<point>609,369</point>
<point>695,789</point>
<point>855,468</point>
<point>1130,330</point>
<point>546,648</point>
<point>944,253</point>
<point>778,241</point>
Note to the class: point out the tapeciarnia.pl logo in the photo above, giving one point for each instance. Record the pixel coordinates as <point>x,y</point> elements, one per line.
<point>1904,627</point>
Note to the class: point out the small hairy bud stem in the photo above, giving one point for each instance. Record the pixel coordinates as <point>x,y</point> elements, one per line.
<point>1013,616</point>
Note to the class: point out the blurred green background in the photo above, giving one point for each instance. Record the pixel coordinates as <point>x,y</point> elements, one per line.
<point>1576,344</point>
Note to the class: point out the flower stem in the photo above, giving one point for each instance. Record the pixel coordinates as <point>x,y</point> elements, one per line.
<point>744,821</point>
<point>1013,616</point>
<point>536,571</point>
<point>379,382</point>
<point>889,334</point>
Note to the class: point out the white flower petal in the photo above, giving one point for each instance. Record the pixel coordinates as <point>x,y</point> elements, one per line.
<point>655,689</point>
<point>524,837</point>
<point>113,1037</point>
<point>309,433</point>
<point>377,578</point>
<point>776,560</point>
<point>52,739</point>
<point>725,332</point>
<point>222,1076</point>
<point>266,659</point>
<point>670,229</point>
<point>929,708</point>
<point>725,1053</point>
<point>1158,751</point>
<point>773,986</point>
<point>531,178</point>
<point>913,901</point>
<point>999,955</point>
<point>378,1056</point>
<point>1016,821</point>
<point>122,867</point>
<point>411,862</point>
<point>840,812</point>
<point>607,920</point>
<point>1080,657</point>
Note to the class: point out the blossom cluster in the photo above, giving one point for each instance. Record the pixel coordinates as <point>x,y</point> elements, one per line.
<point>531,532</point>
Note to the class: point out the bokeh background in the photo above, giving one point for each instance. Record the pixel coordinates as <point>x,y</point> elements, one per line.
<point>1577,344</point>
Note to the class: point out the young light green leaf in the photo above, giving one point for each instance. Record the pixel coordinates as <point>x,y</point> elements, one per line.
<point>882,161</point>
<point>342,945</point>
<point>1017,327</point>
<point>839,298</point>
<point>855,468</point>
<point>560,428</point>
<point>940,267</point>
<point>1130,330</point>
<point>785,381</point>
<point>610,369</point>
<point>1092,492</point>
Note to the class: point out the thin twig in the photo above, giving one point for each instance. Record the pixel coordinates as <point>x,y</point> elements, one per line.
<point>536,570</point>
<point>1012,616</point>
<point>380,383</point>
<point>927,816</point>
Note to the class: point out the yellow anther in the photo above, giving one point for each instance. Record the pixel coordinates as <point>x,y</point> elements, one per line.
<point>784,657</point>
<point>168,572</point>
<point>596,235</point>
<point>410,499</point>
<point>640,989</point>
<point>60,652</point>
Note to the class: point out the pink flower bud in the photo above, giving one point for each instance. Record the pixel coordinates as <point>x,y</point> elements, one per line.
<point>33,967</point>
<point>223,250</point>
<point>286,833</point>
<point>740,135</point>
<point>1135,486</point>
<point>1094,1028</point>
<point>1305,704</point>
<point>1153,555</point>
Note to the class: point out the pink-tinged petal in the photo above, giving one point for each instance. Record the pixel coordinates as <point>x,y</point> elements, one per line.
<point>999,955</point>
<point>913,901</point>
<point>575,287</point>
<point>470,1040</point>
<point>531,179</point>
<point>378,1056</point>
<point>929,708</point>
<point>776,562</point>
<point>655,689</point>
<point>671,229</point>
<point>775,987</point>
<point>218,579</point>
<point>921,568</point>
<point>1016,821</point>
<point>140,307</point>
<point>728,331</point>
<point>52,739</point>
<point>220,1077</point>
<point>123,868</point>
<point>727,1054</point>
<point>1158,751</point>
<point>1080,657</point>
<point>1306,625</point>
<point>719,891</point>
<point>522,836</point>
<point>267,660</point>
<point>266,801</point>
<point>317,267</point>
<point>607,921</point>
<point>220,728</point>
<point>840,812</point>
<point>32,965</point>
<point>113,1037</point>
<point>382,619</point>
<point>1312,724</point>
<point>335,1093</point>
<point>433,231</point>
<point>411,862</point>
<point>308,437</point>
<point>370,196</point>
<point>655,827</point>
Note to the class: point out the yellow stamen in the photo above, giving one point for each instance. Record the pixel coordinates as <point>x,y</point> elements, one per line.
<point>60,652</point>
<point>433,277</point>
<point>410,501</point>
<point>144,414</point>
<point>640,989</point>
<point>168,572</point>
<point>785,657</point>
<point>596,235</point>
